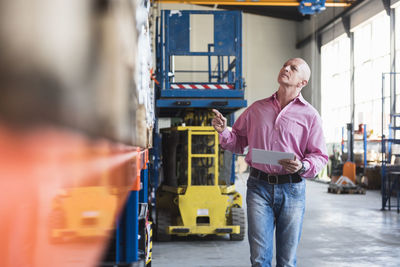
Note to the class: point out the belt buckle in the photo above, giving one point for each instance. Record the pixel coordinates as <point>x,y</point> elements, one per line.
<point>274,176</point>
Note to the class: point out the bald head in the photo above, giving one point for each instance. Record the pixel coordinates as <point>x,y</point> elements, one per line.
<point>294,73</point>
<point>304,67</point>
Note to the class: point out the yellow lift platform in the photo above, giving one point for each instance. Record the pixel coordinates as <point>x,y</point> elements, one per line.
<point>200,204</point>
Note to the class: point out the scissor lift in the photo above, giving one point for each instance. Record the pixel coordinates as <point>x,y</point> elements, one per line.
<point>188,204</point>
<point>223,87</point>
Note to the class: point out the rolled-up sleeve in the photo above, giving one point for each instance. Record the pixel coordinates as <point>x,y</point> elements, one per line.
<point>316,156</point>
<point>235,140</point>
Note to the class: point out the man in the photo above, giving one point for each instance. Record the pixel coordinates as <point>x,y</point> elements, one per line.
<point>276,194</point>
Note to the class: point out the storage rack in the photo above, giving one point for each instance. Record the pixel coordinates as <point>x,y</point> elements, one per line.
<point>390,174</point>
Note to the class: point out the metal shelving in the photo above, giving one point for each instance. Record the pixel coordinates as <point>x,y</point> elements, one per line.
<point>390,172</point>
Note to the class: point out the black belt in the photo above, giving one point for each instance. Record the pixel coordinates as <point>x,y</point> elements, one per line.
<point>274,178</point>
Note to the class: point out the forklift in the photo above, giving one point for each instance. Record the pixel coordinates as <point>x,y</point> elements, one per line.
<point>193,178</point>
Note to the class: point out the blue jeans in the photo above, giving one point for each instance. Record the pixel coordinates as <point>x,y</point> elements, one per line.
<point>269,206</point>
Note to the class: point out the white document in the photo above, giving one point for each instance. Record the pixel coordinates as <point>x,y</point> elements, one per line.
<point>269,157</point>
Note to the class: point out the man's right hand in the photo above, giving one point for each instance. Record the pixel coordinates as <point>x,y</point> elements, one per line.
<point>219,121</point>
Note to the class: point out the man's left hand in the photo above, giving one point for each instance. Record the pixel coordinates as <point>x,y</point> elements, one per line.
<point>291,166</point>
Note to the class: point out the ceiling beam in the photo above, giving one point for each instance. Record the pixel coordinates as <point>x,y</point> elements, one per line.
<point>330,23</point>
<point>328,3</point>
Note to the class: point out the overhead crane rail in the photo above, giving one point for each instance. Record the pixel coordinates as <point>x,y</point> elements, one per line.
<point>305,7</point>
<point>287,3</point>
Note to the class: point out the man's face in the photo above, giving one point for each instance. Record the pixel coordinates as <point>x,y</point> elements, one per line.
<point>292,73</point>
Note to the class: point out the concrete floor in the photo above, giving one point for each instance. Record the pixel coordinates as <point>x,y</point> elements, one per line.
<point>338,231</point>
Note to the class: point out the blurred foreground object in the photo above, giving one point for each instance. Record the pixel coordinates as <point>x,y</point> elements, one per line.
<point>76,63</point>
<point>76,113</point>
<point>61,195</point>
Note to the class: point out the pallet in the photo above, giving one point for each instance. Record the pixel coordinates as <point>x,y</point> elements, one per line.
<point>343,189</point>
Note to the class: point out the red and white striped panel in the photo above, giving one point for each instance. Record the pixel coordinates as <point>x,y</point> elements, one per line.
<point>201,86</point>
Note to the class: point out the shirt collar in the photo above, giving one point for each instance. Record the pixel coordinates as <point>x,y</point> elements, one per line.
<point>272,97</point>
<point>301,99</point>
<point>297,98</point>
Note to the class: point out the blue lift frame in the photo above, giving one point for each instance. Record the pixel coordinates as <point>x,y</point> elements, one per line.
<point>173,39</point>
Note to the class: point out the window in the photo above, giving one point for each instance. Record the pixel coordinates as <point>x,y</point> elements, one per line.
<point>335,87</point>
<point>371,59</point>
<point>397,62</point>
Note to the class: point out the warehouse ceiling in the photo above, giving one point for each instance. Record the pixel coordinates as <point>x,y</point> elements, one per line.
<point>282,9</point>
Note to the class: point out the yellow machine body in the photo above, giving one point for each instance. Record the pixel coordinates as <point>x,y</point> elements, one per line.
<point>195,208</point>
<point>207,203</point>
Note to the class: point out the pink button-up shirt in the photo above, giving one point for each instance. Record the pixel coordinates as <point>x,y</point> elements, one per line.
<point>264,125</point>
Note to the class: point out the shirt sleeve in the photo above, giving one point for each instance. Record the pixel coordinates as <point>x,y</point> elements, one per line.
<point>316,156</point>
<point>236,139</point>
